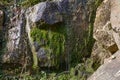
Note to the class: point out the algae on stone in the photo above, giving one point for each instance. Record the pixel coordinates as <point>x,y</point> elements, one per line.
<point>52,42</point>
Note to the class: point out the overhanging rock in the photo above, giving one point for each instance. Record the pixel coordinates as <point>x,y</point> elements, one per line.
<point>50,12</point>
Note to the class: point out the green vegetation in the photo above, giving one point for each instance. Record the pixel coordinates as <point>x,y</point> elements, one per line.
<point>2,48</point>
<point>29,3</point>
<point>6,2</point>
<point>93,8</point>
<point>52,42</point>
<point>74,74</point>
<point>52,39</point>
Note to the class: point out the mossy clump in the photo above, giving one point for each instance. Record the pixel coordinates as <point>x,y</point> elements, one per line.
<point>53,42</point>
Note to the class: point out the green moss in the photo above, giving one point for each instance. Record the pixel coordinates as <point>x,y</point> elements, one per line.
<point>35,61</point>
<point>6,2</point>
<point>29,3</point>
<point>52,40</point>
<point>90,40</point>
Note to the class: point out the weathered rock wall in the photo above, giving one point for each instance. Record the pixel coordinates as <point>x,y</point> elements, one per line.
<point>102,33</point>
<point>50,41</point>
<point>106,47</point>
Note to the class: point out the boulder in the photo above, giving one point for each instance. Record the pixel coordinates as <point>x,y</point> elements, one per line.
<point>110,70</point>
<point>44,48</point>
<point>15,42</point>
<point>103,33</point>
<point>115,22</point>
<point>50,12</point>
<point>109,38</point>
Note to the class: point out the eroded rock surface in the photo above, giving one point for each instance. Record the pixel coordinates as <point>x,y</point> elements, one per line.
<point>14,37</point>
<point>110,70</point>
<point>107,37</point>
<point>105,44</point>
<point>49,13</point>
<point>115,22</point>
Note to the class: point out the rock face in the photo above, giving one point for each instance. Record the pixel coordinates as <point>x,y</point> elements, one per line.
<point>52,13</point>
<point>17,42</point>
<point>78,26</point>
<point>115,22</point>
<point>41,23</point>
<point>106,33</point>
<point>14,37</point>
<point>105,44</point>
<point>44,46</point>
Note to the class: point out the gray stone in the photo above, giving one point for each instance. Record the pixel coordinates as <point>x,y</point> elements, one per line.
<point>110,70</point>
<point>115,21</point>
<point>37,46</point>
<point>44,57</point>
<point>99,53</point>
<point>50,12</point>
<point>14,51</point>
<point>103,33</point>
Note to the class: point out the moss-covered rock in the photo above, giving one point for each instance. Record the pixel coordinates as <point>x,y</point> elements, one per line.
<point>51,46</point>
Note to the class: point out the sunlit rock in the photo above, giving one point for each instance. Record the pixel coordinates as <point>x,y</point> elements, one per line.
<point>110,70</point>
<point>103,33</point>
<point>107,14</point>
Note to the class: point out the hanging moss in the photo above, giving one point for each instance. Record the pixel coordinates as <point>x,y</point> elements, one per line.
<point>51,40</point>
